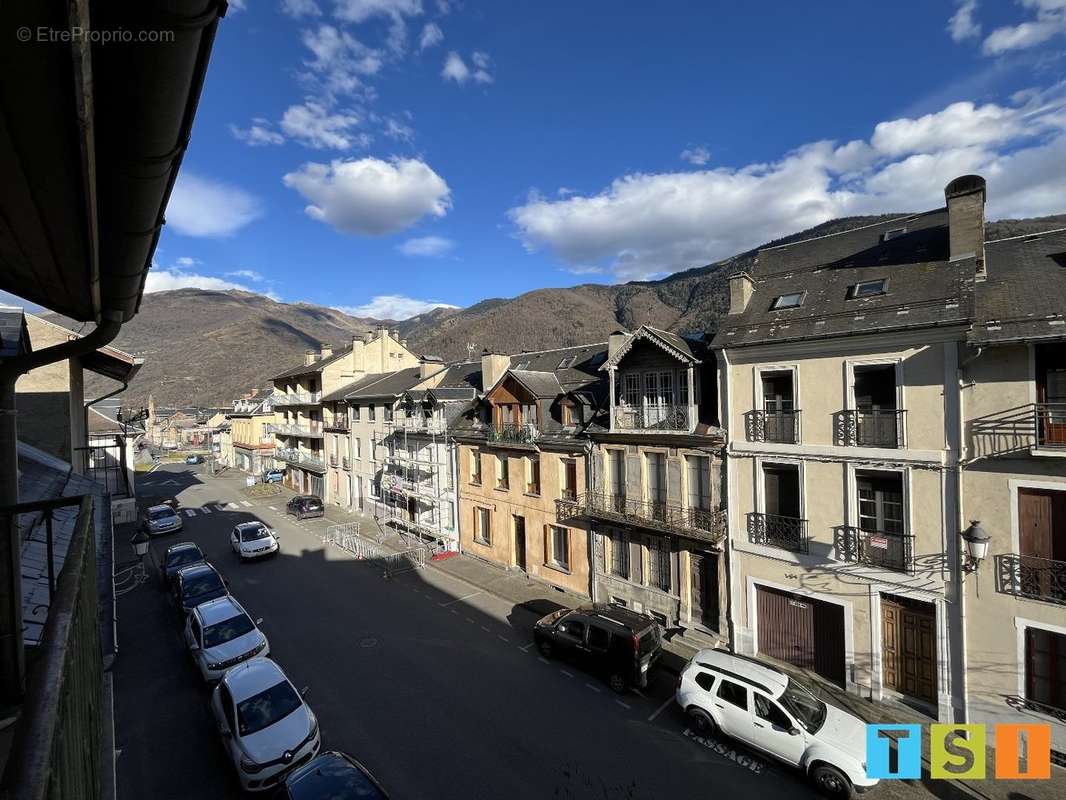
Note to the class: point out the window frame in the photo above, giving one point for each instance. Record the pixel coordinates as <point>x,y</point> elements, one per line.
<point>855,290</point>
<point>778,304</point>
<point>552,559</point>
<point>723,682</point>
<point>532,465</point>
<point>503,473</point>
<point>483,525</point>
<point>660,565</point>
<point>619,545</point>
<point>476,472</point>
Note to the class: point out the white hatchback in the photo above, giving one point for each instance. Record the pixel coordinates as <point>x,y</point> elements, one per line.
<point>763,707</point>
<point>267,729</point>
<point>220,635</point>
<point>253,540</point>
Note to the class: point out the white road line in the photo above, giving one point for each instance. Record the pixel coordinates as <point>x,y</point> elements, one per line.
<point>661,708</point>
<point>190,512</point>
<point>635,690</point>
<point>469,620</point>
<point>486,629</point>
<point>567,674</point>
<point>234,506</point>
<point>246,504</point>
<point>502,638</point>
<point>220,506</point>
<point>593,686</point>
<point>206,510</point>
<point>542,658</point>
<point>272,508</point>
<point>459,599</point>
<point>526,647</point>
<point>453,610</point>
<point>623,705</point>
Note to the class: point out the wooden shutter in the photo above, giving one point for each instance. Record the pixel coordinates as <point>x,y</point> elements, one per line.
<point>1034,523</point>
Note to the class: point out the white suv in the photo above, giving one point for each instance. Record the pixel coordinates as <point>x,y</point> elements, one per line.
<point>766,709</point>
<point>220,635</point>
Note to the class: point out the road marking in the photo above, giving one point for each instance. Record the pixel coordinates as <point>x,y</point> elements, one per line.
<point>272,508</point>
<point>453,610</point>
<point>594,687</point>
<point>635,690</point>
<point>469,620</point>
<point>234,506</point>
<point>206,510</point>
<point>526,647</point>
<point>220,506</point>
<point>486,629</point>
<point>567,674</point>
<point>502,638</point>
<point>722,749</point>
<point>623,704</point>
<point>190,512</point>
<point>661,708</point>
<point>542,658</point>
<point>459,600</point>
<point>246,504</point>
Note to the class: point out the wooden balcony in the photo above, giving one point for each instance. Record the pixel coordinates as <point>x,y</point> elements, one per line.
<point>703,524</point>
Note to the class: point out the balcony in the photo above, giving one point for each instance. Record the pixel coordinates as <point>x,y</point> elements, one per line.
<point>297,398</point>
<point>338,423</point>
<point>884,428</point>
<point>1031,577</point>
<point>301,459</point>
<point>265,443</point>
<point>426,425</point>
<point>513,433</point>
<point>1049,422</point>
<point>705,525</point>
<point>346,463</point>
<point>774,530</point>
<point>882,549</point>
<point>662,419</point>
<point>782,427</point>
<point>312,431</point>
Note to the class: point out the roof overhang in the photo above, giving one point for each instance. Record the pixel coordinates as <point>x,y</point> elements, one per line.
<point>646,334</point>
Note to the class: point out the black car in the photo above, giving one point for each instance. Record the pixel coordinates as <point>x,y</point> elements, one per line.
<point>178,556</point>
<point>617,643</point>
<point>305,505</point>
<point>197,584</point>
<point>333,775</point>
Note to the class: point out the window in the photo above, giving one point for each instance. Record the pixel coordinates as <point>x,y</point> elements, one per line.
<point>388,412</point>
<point>358,447</point>
<point>559,547</point>
<point>573,628</point>
<point>619,554</point>
<point>768,710</point>
<point>880,502</point>
<point>569,479</point>
<point>502,472</point>
<point>779,408</point>
<point>699,482</point>
<point>705,681</point>
<point>370,413</point>
<point>375,488</point>
<point>616,476</point>
<point>1045,667</point>
<point>599,639</point>
<point>533,475</point>
<point>656,469</point>
<point>631,392</point>
<point>682,388</point>
<point>733,693</point>
<point>475,467</point>
<point>482,525</point>
<point>567,362</point>
<point>568,415</point>
<point>792,300</point>
<point>892,234</point>
<point>355,413</point>
<point>867,288</point>
<point>659,564</point>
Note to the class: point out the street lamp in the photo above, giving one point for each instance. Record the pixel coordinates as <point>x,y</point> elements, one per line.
<point>976,545</point>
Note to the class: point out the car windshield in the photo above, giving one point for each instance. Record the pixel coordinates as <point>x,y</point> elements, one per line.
<point>187,555</point>
<point>264,709</point>
<point>333,776</point>
<point>160,513</point>
<point>808,710</point>
<point>227,630</point>
<point>251,534</point>
<point>649,640</point>
<point>313,504</point>
<point>196,585</point>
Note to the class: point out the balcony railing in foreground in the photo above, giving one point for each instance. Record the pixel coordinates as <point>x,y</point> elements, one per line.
<point>1031,577</point>
<point>774,530</point>
<point>883,428</point>
<point>654,418</point>
<point>56,745</point>
<point>706,524</point>
<point>883,549</point>
<point>1049,421</point>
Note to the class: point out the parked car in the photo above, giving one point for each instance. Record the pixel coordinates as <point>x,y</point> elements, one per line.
<point>334,775</point>
<point>253,540</point>
<point>266,727</point>
<point>160,519</point>
<point>767,709</point>
<point>274,476</point>
<point>194,459</point>
<point>617,643</point>
<point>305,505</point>
<point>197,584</point>
<point>220,635</point>
<point>177,557</point>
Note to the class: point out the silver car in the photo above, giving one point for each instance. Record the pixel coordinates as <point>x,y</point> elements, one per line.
<point>266,727</point>
<point>161,519</point>
<point>220,635</point>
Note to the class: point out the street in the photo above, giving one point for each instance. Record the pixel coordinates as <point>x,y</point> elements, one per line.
<point>434,686</point>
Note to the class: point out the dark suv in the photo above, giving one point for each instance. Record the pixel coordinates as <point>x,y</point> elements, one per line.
<point>614,642</point>
<point>197,584</point>
<point>305,505</point>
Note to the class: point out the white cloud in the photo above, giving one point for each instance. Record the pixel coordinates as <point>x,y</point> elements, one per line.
<point>340,62</point>
<point>247,274</point>
<point>962,24</point>
<point>168,279</point>
<point>369,196</point>
<point>427,246</point>
<point>431,35</point>
<point>186,261</point>
<point>362,10</point>
<point>643,225</point>
<point>697,156</point>
<point>399,131</point>
<point>316,126</point>
<point>301,8</point>
<point>237,5</point>
<point>392,306</point>
<point>456,69</point>
<point>1050,22</point>
<point>258,134</point>
<point>205,207</point>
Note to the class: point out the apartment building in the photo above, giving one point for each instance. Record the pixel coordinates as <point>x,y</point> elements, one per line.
<point>250,441</point>
<point>1013,379</point>
<point>522,449</point>
<point>838,374</point>
<point>654,503</point>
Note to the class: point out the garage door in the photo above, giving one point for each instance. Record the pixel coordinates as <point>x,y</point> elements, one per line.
<point>802,631</point>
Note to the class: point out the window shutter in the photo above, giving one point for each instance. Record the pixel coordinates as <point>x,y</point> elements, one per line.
<point>547,544</point>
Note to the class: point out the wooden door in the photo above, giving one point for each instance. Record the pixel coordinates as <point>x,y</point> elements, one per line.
<point>520,542</point>
<point>703,568</point>
<point>908,647</point>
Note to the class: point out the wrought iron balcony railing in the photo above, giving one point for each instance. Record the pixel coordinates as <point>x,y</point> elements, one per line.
<point>1050,423</point>
<point>705,524</point>
<point>338,423</point>
<point>301,459</point>
<point>666,418</point>
<point>774,426</point>
<point>883,549</point>
<point>297,398</point>
<point>883,428</point>
<point>312,431</point>
<point>513,433</point>
<point>1031,577</point>
<point>774,530</point>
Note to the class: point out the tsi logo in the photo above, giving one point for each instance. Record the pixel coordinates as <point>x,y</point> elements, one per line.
<point>958,751</point>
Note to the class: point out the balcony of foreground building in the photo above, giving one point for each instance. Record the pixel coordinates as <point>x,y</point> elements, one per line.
<point>780,427</point>
<point>774,530</point>
<point>55,748</point>
<point>296,398</point>
<point>882,428</point>
<point>312,431</point>
<point>300,458</point>
<point>512,433</point>
<point>1031,578</point>
<point>339,424</point>
<point>654,419</point>
<point>706,525</point>
<point>887,550</point>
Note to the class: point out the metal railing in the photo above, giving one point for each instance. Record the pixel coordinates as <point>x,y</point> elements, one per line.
<point>774,530</point>
<point>782,427</point>
<point>312,431</point>
<point>883,428</point>
<point>1031,577</point>
<point>418,424</point>
<point>338,423</point>
<point>884,549</point>
<point>705,524</point>
<point>346,463</point>
<point>518,433</point>
<point>347,538</point>
<point>106,464</point>
<point>333,461</point>
<point>1049,421</point>
<point>654,418</point>
<point>297,398</point>
<point>55,750</point>
<point>301,459</point>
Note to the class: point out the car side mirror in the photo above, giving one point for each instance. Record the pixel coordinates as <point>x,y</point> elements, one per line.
<point>793,731</point>
<point>304,691</point>
<point>259,622</point>
<point>194,646</point>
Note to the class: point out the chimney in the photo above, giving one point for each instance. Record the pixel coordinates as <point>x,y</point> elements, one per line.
<point>493,365</point>
<point>357,355</point>
<point>368,337</point>
<point>395,335</point>
<point>429,365</point>
<point>614,341</point>
<point>309,357</point>
<point>966,219</point>
<point>741,288</point>
<point>325,350</point>
<point>403,343</point>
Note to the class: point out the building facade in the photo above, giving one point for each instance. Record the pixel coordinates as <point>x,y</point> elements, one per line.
<point>249,444</point>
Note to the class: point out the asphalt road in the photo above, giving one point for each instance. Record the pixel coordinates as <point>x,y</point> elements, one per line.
<point>438,692</point>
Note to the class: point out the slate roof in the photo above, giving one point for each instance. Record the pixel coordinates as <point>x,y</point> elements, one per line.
<point>391,384</point>
<point>1024,294</point>
<point>923,288</point>
<point>14,337</point>
<point>538,384</point>
<point>463,375</point>
<point>360,383</point>
<point>314,366</point>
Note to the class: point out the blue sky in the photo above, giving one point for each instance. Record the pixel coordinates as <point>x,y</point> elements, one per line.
<point>382,155</point>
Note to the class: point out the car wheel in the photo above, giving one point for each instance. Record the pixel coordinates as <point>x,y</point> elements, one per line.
<point>831,782</point>
<point>545,648</point>
<point>617,683</point>
<point>701,723</point>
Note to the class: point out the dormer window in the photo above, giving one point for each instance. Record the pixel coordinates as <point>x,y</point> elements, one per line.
<point>792,300</point>
<point>892,234</point>
<point>868,288</point>
<point>567,362</point>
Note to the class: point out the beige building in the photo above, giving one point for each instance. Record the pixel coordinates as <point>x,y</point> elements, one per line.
<point>248,444</point>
